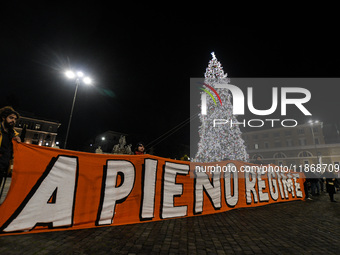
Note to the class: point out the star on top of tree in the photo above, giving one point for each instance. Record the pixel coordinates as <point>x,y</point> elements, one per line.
<point>214,72</point>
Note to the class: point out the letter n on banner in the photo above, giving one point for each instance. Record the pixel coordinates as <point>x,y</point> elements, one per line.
<point>51,200</point>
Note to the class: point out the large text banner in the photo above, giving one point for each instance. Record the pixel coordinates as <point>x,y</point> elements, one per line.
<point>55,189</point>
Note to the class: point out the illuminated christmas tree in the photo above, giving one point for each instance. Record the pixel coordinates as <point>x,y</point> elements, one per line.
<point>222,142</point>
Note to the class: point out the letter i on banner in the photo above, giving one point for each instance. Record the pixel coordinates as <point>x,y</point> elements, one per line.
<point>148,189</point>
<point>51,200</point>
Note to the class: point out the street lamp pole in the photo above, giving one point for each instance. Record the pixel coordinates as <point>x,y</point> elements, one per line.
<point>312,128</point>
<point>86,80</point>
<point>69,121</point>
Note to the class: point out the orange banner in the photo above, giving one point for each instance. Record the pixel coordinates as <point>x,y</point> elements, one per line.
<point>55,189</point>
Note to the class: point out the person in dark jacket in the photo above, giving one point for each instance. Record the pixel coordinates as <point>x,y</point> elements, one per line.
<point>331,185</point>
<point>7,134</point>
<point>307,184</point>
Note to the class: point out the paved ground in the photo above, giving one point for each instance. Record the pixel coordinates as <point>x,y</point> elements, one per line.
<point>311,227</point>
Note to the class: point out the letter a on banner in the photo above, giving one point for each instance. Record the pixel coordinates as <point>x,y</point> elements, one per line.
<point>51,200</point>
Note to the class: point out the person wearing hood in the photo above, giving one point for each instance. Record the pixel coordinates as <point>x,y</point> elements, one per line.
<point>331,185</point>
<point>139,149</point>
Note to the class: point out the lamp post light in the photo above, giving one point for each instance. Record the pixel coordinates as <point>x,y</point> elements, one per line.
<point>78,77</point>
<point>312,122</point>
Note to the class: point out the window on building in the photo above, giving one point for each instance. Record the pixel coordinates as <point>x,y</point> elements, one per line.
<point>277,134</point>
<point>316,141</point>
<point>35,139</point>
<point>255,136</point>
<point>300,131</point>
<point>256,146</point>
<point>37,126</point>
<point>265,135</point>
<point>266,145</point>
<point>277,144</point>
<point>288,133</point>
<point>279,155</point>
<point>255,156</point>
<point>302,141</point>
<point>304,154</point>
<point>289,143</point>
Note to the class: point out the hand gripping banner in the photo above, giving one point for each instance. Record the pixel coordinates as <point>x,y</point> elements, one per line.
<point>55,189</point>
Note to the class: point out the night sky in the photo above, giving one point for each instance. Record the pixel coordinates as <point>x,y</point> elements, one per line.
<point>141,64</point>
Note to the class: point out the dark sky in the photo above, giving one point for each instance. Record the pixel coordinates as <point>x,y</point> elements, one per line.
<point>141,63</point>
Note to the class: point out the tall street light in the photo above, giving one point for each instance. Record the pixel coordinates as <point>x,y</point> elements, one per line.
<point>78,77</point>
<point>312,123</point>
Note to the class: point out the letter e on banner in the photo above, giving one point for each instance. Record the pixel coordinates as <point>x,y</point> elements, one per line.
<point>51,200</point>
<point>171,189</point>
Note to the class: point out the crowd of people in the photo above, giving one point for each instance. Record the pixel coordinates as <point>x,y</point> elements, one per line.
<point>315,184</point>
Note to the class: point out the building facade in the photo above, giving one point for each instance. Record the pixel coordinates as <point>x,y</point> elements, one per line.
<point>38,131</point>
<point>297,146</point>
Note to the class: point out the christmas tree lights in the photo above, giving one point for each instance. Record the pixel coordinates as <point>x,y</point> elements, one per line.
<point>222,142</point>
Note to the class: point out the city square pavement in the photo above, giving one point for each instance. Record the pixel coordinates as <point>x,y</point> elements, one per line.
<point>299,227</point>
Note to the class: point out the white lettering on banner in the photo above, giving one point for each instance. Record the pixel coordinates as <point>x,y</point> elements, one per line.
<point>231,200</point>
<point>148,189</point>
<point>51,200</point>
<point>287,184</point>
<point>213,190</point>
<point>170,189</point>
<point>263,196</point>
<point>250,186</point>
<point>273,184</point>
<point>280,186</point>
<point>113,193</point>
<point>297,185</point>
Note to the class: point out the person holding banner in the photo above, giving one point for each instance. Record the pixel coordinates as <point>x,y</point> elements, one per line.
<point>140,149</point>
<point>8,119</point>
